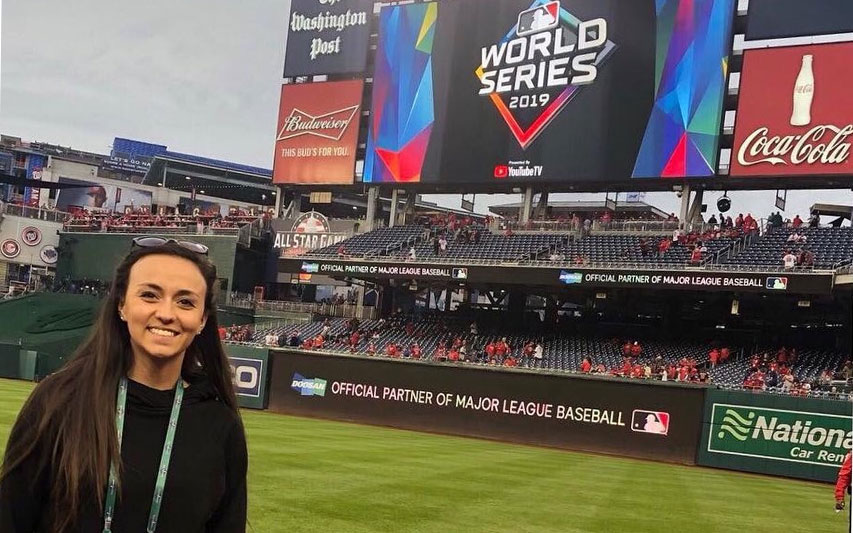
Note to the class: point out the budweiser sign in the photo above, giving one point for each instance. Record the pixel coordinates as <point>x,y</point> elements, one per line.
<point>317,134</point>
<point>824,144</point>
<point>328,126</point>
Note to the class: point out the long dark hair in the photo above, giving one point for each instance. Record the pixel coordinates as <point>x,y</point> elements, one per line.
<point>74,409</point>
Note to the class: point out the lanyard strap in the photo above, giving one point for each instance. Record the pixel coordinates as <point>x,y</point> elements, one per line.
<point>166,455</point>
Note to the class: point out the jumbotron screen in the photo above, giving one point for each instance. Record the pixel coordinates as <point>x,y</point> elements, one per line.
<point>473,91</point>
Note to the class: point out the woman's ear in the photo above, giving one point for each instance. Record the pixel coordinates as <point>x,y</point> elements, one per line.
<point>121,312</point>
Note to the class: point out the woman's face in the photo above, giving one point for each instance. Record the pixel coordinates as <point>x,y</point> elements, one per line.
<point>163,306</point>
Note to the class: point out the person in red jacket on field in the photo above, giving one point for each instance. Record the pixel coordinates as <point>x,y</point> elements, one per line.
<point>843,483</point>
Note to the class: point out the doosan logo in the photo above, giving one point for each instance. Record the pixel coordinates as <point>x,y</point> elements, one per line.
<point>308,386</point>
<point>330,125</point>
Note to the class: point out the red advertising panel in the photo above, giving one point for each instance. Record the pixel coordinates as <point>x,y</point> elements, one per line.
<point>317,133</point>
<point>795,113</point>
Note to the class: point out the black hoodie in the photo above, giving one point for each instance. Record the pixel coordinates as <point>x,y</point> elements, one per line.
<point>205,488</point>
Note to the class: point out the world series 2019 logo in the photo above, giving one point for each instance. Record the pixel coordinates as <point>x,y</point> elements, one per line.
<point>539,66</point>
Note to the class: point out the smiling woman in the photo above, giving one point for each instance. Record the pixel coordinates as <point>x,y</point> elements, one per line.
<point>140,431</point>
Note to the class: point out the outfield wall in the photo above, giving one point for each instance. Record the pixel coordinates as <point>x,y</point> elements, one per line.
<point>564,411</point>
<point>781,435</point>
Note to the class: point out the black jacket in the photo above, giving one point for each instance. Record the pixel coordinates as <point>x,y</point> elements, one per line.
<point>205,488</point>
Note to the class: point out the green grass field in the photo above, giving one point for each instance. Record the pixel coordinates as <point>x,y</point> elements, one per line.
<point>320,476</point>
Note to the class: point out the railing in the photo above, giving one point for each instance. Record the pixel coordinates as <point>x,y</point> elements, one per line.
<point>38,213</point>
<point>568,264</point>
<point>778,391</point>
<point>333,310</point>
<point>189,229</point>
<point>637,226</point>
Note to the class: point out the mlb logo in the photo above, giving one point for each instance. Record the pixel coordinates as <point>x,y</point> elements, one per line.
<point>656,422</point>
<point>539,18</point>
<point>460,273</point>
<point>501,171</point>
<point>777,284</point>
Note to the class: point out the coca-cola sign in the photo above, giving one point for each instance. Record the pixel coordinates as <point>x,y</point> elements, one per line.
<point>317,133</point>
<point>795,113</point>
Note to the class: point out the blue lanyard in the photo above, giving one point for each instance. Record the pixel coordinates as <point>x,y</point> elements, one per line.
<point>166,455</point>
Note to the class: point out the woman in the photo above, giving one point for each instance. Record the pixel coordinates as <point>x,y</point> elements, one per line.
<point>76,461</point>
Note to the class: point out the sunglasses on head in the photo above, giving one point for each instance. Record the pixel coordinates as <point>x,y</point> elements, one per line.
<point>153,242</point>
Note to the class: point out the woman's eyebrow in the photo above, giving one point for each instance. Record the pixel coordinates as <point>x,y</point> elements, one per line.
<point>182,292</point>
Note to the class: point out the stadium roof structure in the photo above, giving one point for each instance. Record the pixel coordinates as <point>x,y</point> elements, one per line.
<point>567,208</point>
<point>216,177</point>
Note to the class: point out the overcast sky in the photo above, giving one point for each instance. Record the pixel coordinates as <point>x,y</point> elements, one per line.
<point>200,77</point>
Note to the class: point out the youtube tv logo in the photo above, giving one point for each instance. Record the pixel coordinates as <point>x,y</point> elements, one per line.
<point>501,171</point>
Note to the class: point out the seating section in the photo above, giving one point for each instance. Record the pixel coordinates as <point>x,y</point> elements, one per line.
<point>830,246</point>
<point>375,242</point>
<point>809,365</point>
<point>491,246</point>
<point>560,352</point>
<point>629,248</point>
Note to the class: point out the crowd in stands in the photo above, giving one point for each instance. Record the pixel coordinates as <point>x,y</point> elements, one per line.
<point>83,219</point>
<point>437,340</point>
<point>769,371</point>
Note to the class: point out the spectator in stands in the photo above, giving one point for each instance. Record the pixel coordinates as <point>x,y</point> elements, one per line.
<point>371,348</point>
<point>789,260</point>
<point>308,344</point>
<point>847,370</point>
<point>725,353</point>
<point>538,352</point>
<point>392,351</point>
<point>342,251</point>
<point>294,339</point>
<point>814,220</point>
<point>663,246</point>
<point>739,221</point>
<point>586,365</point>
<point>644,247</point>
<point>636,349</point>
<point>271,339</point>
<point>442,245</point>
<point>415,350</point>
<point>510,361</point>
<point>440,352</point>
<point>453,354</point>
<point>319,342</point>
<point>435,246</point>
<point>221,331</point>
<point>714,357</point>
<point>327,328</point>
<point>797,222</point>
<point>413,255</point>
<point>806,258</point>
<point>502,349</point>
<point>473,328</point>
<point>696,255</point>
<point>713,220</point>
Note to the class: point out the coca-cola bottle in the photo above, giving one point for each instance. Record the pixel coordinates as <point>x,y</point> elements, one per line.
<point>803,94</point>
